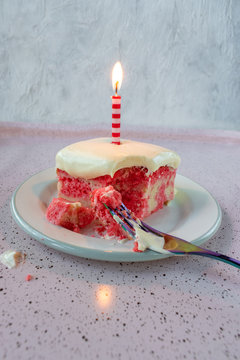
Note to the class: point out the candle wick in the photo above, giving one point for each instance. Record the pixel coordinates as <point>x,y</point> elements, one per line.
<point>116,88</point>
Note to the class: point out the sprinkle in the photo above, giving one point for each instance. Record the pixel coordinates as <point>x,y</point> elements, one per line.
<point>28,277</point>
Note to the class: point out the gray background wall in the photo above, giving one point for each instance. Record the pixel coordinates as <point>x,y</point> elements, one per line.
<point>180,60</point>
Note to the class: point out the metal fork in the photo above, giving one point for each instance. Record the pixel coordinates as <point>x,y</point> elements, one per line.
<point>173,244</point>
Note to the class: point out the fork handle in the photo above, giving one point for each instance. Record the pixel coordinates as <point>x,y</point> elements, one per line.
<point>201,252</point>
<point>215,256</point>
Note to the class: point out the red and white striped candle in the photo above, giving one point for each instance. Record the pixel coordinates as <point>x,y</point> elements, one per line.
<point>117,76</point>
<point>116,119</point>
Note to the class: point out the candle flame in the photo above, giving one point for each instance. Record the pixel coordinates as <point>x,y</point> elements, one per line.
<point>117,76</point>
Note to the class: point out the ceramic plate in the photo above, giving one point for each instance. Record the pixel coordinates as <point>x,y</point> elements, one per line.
<point>193,215</point>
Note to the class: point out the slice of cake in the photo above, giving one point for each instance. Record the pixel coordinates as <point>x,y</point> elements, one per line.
<point>143,173</point>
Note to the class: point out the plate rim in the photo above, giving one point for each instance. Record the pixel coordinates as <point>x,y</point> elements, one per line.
<point>97,254</point>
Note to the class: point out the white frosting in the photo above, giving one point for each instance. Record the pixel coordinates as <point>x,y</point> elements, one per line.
<point>96,157</point>
<point>147,240</point>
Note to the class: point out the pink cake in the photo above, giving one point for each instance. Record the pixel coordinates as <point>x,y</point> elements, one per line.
<point>142,173</point>
<point>72,216</point>
<point>143,193</point>
<point>108,226</point>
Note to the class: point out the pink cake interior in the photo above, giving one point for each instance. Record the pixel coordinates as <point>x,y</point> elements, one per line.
<point>80,201</point>
<point>112,198</point>
<point>72,216</point>
<point>142,192</point>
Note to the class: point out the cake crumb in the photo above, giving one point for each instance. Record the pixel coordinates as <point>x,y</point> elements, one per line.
<point>28,277</point>
<point>12,258</point>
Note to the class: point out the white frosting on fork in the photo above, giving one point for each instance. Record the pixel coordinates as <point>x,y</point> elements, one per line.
<point>148,240</point>
<point>145,240</point>
<point>96,157</point>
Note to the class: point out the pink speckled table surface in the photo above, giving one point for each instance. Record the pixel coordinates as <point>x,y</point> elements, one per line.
<point>74,308</point>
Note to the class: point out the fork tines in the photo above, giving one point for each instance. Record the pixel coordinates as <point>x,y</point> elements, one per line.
<point>125,224</point>
<point>126,219</point>
<point>123,209</point>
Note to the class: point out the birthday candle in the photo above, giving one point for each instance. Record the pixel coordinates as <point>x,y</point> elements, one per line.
<point>116,119</point>
<point>116,104</point>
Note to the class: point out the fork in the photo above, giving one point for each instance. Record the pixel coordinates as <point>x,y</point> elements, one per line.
<point>172,244</point>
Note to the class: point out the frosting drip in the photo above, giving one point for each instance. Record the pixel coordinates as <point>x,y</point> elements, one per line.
<point>97,157</point>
